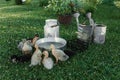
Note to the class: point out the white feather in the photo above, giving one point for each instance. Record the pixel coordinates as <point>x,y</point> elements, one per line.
<point>61,55</point>
<point>20,46</point>
<point>48,63</point>
<point>36,58</point>
<point>27,47</point>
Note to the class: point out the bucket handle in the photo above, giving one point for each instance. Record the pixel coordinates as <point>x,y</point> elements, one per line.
<point>55,25</point>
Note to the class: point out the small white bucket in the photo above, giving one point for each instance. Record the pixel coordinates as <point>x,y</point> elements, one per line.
<point>99,33</point>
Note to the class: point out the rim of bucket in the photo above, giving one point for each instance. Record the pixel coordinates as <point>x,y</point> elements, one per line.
<point>100,25</point>
<point>83,25</point>
<point>47,20</point>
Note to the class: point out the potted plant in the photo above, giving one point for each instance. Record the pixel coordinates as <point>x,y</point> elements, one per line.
<point>62,9</point>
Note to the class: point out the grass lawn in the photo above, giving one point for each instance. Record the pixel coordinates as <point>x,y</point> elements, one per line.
<point>99,62</point>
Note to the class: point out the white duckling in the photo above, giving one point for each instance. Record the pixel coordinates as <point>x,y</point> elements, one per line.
<point>21,44</point>
<point>47,61</point>
<point>36,57</point>
<point>58,54</point>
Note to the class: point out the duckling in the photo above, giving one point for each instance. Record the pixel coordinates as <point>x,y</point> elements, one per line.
<point>47,61</point>
<point>58,54</point>
<point>21,44</point>
<point>54,53</point>
<point>36,37</point>
<point>36,57</point>
<point>27,47</point>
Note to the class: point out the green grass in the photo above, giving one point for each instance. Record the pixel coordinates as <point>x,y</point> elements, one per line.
<point>99,62</point>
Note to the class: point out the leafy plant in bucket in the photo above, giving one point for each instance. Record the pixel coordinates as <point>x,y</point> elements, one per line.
<point>84,6</point>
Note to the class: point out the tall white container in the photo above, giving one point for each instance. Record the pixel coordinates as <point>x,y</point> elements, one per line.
<point>99,33</point>
<point>51,28</point>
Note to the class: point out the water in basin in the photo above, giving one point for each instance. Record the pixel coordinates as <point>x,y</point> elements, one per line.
<point>46,45</point>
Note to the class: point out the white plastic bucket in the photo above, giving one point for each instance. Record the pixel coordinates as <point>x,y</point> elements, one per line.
<point>51,28</point>
<point>99,33</point>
